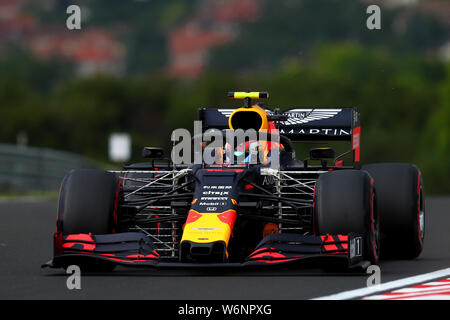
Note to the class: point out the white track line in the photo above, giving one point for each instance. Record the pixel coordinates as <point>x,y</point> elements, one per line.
<point>404,294</point>
<point>352,294</point>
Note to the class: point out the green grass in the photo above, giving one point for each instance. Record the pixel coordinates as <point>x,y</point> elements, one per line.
<point>40,195</point>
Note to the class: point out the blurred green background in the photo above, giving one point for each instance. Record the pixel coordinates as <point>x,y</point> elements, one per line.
<point>144,67</point>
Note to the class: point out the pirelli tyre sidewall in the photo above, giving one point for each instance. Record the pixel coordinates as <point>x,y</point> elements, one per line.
<point>345,202</point>
<point>401,203</point>
<point>88,204</point>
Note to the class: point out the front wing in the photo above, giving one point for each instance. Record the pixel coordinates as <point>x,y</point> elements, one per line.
<point>136,249</point>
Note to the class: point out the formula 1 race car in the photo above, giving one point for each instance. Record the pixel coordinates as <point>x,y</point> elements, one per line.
<point>243,210</point>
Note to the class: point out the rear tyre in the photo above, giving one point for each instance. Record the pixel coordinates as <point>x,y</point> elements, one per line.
<point>344,202</point>
<point>402,208</point>
<point>87,204</point>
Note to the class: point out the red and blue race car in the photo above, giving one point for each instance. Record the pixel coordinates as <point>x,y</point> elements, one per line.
<point>246,213</point>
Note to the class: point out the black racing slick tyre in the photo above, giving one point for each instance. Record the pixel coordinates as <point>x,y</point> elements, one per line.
<point>87,204</point>
<point>344,202</point>
<point>401,204</point>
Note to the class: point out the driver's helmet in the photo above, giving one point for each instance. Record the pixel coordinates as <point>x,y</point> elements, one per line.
<point>255,118</point>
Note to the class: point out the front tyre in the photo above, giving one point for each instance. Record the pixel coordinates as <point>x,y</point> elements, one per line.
<point>87,204</point>
<point>345,202</point>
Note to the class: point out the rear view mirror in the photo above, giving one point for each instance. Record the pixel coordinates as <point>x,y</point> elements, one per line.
<point>321,153</point>
<point>152,152</point>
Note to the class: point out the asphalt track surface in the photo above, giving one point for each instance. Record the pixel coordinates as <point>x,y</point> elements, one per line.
<point>26,230</point>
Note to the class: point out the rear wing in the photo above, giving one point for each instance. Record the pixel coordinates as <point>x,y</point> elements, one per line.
<point>306,124</point>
